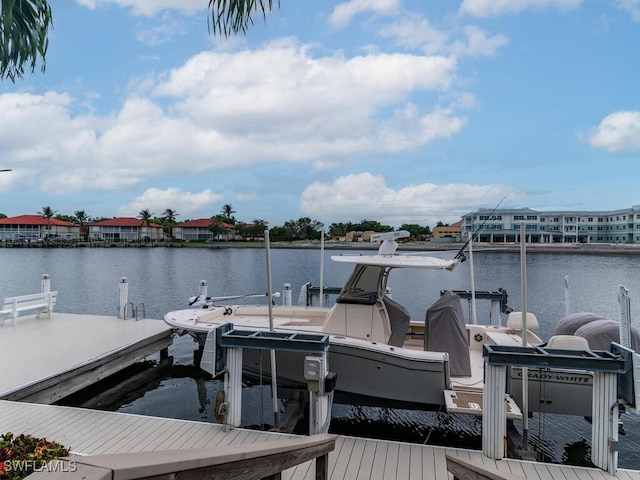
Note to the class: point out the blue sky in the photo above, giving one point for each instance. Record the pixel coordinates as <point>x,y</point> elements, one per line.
<point>412,111</point>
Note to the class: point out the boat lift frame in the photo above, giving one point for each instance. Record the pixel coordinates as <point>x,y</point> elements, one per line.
<point>222,353</point>
<point>606,366</point>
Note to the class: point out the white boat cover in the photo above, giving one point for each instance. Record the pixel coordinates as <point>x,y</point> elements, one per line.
<point>445,331</point>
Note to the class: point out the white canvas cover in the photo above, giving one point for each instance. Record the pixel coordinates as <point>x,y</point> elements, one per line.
<point>445,331</point>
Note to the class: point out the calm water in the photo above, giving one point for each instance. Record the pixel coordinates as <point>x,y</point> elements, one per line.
<point>164,278</point>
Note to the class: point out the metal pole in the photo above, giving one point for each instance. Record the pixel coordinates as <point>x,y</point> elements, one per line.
<point>568,308</point>
<point>321,265</point>
<point>474,318</point>
<point>525,372</point>
<point>123,290</point>
<point>274,381</point>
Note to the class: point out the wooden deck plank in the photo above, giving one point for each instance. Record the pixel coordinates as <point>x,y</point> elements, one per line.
<point>343,458</point>
<point>391,461</point>
<point>404,456</point>
<point>567,473</point>
<point>516,467</point>
<point>543,471</point>
<point>357,452</point>
<point>428,463</point>
<point>366,461</point>
<point>379,459</point>
<point>195,436</point>
<point>415,462</point>
<point>440,462</point>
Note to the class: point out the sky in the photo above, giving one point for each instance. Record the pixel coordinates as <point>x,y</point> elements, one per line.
<point>398,111</point>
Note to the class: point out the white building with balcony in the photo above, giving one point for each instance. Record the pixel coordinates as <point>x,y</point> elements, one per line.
<point>503,226</point>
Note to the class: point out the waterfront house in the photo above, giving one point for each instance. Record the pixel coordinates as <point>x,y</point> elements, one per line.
<point>447,233</point>
<point>198,231</point>
<point>125,229</point>
<point>31,228</point>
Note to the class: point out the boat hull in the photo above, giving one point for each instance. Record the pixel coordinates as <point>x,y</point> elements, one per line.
<point>363,376</point>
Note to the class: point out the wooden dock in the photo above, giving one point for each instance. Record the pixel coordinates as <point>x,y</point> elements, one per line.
<point>43,360</point>
<point>91,432</point>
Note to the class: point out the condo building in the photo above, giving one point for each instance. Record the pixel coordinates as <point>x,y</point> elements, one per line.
<point>503,226</point>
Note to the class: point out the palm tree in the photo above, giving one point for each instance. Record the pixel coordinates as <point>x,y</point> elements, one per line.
<point>258,227</point>
<point>233,16</point>
<point>81,219</point>
<point>169,217</point>
<point>227,213</point>
<point>48,213</point>
<point>217,226</point>
<point>145,217</point>
<point>24,27</point>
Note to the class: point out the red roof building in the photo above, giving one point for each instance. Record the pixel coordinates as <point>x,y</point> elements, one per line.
<point>125,229</point>
<point>34,227</point>
<point>198,230</point>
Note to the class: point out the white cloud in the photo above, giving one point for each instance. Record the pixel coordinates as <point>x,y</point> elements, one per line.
<point>366,196</point>
<point>150,7</point>
<point>231,110</point>
<point>157,201</point>
<point>245,197</point>
<point>631,6</point>
<point>492,8</point>
<point>479,44</point>
<point>161,33</point>
<point>415,31</point>
<point>619,131</point>
<point>344,13</point>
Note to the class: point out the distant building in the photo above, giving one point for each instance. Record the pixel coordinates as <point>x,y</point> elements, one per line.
<point>36,227</point>
<point>125,229</point>
<point>503,226</point>
<point>198,230</point>
<point>450,233</point>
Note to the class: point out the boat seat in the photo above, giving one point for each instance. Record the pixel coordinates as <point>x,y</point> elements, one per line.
<point>514,321</point>
<point>568,342</point>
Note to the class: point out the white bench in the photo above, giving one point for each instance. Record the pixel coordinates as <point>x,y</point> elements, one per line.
<point>40,302</point>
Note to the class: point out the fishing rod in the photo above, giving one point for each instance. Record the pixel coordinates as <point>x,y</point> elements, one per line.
<point>200,299</point>
<point>460,253</point>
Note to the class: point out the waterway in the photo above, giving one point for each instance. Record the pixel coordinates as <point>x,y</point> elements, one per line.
<point>164,278</point>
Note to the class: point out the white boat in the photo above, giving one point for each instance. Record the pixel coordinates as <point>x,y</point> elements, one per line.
<point>379,355</point>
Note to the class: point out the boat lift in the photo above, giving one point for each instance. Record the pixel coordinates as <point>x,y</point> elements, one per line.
<point>616,378</point>
<point>222,354</point>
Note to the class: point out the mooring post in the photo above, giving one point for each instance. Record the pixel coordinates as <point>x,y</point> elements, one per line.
<point>286,295</point>
<point>233,388</point>
<point>604,427</point>
<point>202,289</point>
<point>45,283</point>
<point>494,411</point>
<point>123,290</point>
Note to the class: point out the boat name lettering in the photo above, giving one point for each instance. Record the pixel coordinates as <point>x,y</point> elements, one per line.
<point>557,377</point>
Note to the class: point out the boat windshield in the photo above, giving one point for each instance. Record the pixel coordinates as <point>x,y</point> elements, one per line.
<point>364,285</point>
